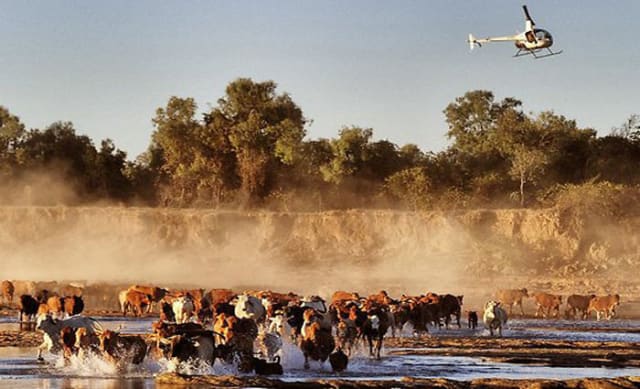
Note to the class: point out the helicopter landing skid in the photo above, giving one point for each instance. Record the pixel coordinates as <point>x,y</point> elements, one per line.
<point>525,52</point>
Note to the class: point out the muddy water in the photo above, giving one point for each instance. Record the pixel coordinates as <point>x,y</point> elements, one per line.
<point>18,367</point>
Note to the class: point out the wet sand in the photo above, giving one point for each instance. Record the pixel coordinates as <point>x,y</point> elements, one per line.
<point>554,353</point>
<point>171,379</point>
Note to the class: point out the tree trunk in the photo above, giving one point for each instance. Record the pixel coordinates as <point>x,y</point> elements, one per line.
<point>522,190</point>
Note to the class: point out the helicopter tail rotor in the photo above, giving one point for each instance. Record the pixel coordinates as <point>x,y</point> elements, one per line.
<point>473,42</point>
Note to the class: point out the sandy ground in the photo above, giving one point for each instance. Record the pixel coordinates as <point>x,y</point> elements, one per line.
<point>171,380</point>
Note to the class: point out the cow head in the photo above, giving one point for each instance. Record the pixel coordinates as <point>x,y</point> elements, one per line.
<point>277,325</point>
<point>44,322</point>
<point>108,341</point>
<point>525,293</point>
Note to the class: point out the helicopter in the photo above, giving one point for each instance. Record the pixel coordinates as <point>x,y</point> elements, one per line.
<point>531,41</point>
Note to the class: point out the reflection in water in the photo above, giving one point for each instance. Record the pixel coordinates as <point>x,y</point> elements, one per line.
<point>77,383</point>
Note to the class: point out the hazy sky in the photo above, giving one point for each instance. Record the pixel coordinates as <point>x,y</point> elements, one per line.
<point>389,65</point>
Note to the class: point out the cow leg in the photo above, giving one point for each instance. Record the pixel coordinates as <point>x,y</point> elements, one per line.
<point>42,347</point>
<point>306,361</point>
<point>500,330</point>
<point>458,319</point>
<point>378,347</point>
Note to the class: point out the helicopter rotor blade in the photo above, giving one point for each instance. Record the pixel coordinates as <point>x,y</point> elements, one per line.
<point>527,16</point>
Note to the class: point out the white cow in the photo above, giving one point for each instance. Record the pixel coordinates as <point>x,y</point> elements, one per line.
<point>270,341</point>
<point>52,328</point>
<point>494,317</point>
<point>320,315</point>
<point>249,307</point>
<point>183,309</point>
<point>124,304</point>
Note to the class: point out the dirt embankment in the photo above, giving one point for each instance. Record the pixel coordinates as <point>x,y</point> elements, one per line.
<point>320,252</point>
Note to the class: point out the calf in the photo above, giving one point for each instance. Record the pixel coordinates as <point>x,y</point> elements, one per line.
<point>338,360</point>
<point>263,367</point>
<point>472,318</point>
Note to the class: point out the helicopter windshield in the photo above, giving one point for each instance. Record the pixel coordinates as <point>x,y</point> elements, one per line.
<point>542,34</point>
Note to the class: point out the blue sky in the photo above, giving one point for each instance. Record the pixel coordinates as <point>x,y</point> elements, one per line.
<point>389,65</point>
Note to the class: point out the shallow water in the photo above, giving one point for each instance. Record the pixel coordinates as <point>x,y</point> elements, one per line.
<point>18,367</point>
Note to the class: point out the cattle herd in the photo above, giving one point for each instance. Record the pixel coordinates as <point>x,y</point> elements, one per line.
<point>248,329</point>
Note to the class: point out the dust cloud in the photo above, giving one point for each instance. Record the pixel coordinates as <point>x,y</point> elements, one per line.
<point>458,252</point>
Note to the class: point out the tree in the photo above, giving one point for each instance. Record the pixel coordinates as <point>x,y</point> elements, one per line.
<point>410,186</point>
<point>11,132</point>
<point>630,129</point>
<point>473,117</point>
<point>177,135</point>
<point>264,130</point>
<point>349,151</point>
<point>526,166</point>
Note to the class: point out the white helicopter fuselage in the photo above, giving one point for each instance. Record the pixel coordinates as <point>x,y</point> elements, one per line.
<point>531,41</point>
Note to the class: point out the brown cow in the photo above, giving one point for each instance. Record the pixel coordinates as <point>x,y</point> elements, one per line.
<point>54,303</point>
<point>155,294</point>
<point>240,335</point>
<point>316,344</point>
<point>605,305</point>
<point>512,297</point>
<point>380,298</point>
<point>86,342</point>
<point>72,305</point>
<point>577,302</point>
<point>122,350</point>
<point>548,301</point>
<point>137,301</point>
<point>24,287</point>
<point>71,290</point>
<point>340,297</point>
<point>68,341</point>
<point>7,291</point>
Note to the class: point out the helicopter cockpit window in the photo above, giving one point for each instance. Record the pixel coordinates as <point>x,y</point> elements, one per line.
<point>530,37</point>
<point>542,34</point>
